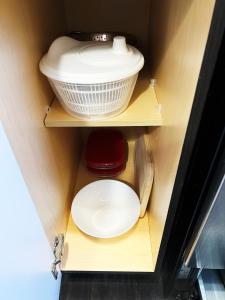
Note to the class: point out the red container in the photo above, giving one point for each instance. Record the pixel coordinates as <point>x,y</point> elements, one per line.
<point>107,172</point>
<point>106,152</point>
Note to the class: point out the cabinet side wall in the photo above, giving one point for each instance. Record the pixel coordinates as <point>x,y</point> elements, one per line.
<point>47,157</point>
<point>179,31</point>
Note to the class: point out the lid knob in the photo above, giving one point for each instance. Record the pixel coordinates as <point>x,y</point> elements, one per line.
<point>119,44</point>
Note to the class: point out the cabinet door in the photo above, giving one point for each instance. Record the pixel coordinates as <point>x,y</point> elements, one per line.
<point>25,253</point>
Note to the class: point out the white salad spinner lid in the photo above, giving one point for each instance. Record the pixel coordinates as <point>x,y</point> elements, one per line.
<point>69,60</point>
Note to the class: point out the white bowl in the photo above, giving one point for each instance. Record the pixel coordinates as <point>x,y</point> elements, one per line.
<point>105,208</point>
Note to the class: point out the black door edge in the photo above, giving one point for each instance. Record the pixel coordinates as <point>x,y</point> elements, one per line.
<point>168,261</point>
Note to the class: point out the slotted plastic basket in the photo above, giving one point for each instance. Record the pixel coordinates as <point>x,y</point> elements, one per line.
<point>92,80</point>
<point>95,100</point>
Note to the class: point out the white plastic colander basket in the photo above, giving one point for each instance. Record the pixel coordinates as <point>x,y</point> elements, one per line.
<point>95,100</point>
<point>92,80</point>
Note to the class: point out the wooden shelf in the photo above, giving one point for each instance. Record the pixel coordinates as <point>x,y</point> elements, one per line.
<point>130,252</point>
<point>143,110</point>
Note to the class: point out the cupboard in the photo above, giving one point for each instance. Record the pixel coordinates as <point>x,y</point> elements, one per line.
<point>48,143</point>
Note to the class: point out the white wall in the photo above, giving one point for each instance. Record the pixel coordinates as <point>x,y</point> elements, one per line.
<point>25,253</point>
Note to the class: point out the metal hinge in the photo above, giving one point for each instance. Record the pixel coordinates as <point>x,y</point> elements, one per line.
<point>58,252</point>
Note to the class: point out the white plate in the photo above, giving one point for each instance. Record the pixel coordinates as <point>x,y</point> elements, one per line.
<point>105,208</point>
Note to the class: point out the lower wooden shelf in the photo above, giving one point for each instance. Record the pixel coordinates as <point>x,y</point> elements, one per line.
<point>130,252</point>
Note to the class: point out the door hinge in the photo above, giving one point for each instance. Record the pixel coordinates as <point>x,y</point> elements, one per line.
<point>58,252</point>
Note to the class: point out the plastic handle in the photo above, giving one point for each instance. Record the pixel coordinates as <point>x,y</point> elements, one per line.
<point>119,44</point>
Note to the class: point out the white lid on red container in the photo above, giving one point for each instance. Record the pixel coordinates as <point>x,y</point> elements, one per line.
<point>73,61</point>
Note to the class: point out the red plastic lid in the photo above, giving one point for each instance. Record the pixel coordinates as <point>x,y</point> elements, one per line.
<point>107,172</point>
<point>106,149</point>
